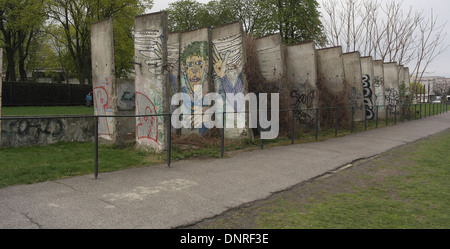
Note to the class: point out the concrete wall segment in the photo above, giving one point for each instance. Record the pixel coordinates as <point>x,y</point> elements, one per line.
<point>151,81</point>
<point>103,77</point>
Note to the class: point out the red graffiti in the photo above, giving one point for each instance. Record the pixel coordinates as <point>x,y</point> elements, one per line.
<point>147,127</point>
<point>101,104</point>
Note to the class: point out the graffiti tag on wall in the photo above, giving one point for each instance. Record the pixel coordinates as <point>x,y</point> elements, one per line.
<point>102,106</point>
<point>367,93</point>
<point>302,101</point>
<point>378,82</point>
<point>392,98</point>
<point>148,89</point>
<point>147,126</point>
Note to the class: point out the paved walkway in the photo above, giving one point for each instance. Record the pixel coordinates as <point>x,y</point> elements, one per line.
<point>192,190</point>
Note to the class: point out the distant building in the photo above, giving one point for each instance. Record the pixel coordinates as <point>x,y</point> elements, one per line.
<point>438,85</point>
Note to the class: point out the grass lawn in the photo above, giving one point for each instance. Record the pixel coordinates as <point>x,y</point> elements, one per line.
<point>33,164</point>
<point>406,188</point>
<point>47,110</point>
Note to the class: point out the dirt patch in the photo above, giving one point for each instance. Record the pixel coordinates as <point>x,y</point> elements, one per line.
<point>362,174</point>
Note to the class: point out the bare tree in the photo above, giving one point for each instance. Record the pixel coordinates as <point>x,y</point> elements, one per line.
<point>389,32</point>
<point>429,42</point>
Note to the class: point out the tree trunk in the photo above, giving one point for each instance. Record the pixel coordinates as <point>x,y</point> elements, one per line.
<point>11,66</point>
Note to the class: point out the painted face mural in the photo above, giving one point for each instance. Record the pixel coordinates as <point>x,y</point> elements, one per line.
<point>195,66</point>
<point>195,71</point>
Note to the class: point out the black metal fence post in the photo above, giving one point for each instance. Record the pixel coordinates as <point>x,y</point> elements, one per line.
<point>336,122</point>
<point>376,117</point>
<point>353,119</point>
<point>317,123</point>
<point>415,112</point>
<point>420,110</point>
<point>222,136</point>
<point>96,146</point>
<point>429,111</point>
<point>293,126</point>
<point>386,112</point>
<point>365,117</point>
<point>395,114</point>
<point>169,141</point>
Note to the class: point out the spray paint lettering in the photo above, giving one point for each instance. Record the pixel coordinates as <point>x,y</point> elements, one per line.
<point>102,107</point>
<point>302,99</point>
<point>392,98</point>
<point>367,93</point>
<point>147,126</point>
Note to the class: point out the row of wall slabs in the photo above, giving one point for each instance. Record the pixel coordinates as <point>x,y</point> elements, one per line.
<point>195,63</point>
<point>213,60</point>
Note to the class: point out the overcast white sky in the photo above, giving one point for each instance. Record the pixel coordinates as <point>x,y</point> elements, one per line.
<point>440,67</point>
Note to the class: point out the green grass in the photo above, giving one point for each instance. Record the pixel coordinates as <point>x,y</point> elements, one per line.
<point>428,109</point>
<point>34,164</point>
<point>47,110</point>
<point>418,199</point>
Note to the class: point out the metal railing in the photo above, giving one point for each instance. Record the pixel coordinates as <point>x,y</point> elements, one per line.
<point>431,111</point>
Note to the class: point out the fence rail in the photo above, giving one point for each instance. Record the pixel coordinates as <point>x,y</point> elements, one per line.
<point>433,109</point>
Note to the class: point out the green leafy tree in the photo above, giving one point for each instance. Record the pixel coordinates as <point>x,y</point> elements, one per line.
<point>185,15</point>
<point>295,20</point>
<point>20,23</point>
<point>76,17</point>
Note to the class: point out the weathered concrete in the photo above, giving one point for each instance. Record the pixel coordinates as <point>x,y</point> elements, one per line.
<point>406,76</point>
<point>301,75</point>
<point>333,90</point>
<point>330,69</point>
<point>32,132</point>
<point>270,52</point>
<point>195,75</point>
<point>369,87</point>
<point>391,84</point>
<point>103,77</point>
<point>228,63</point>
<point>126,105</point>
<point>378,81</point>
<point>173,66</point>
<point>152,81</point>
<point>271,60</point>
<point>173,62</point>
<point>354,79</point>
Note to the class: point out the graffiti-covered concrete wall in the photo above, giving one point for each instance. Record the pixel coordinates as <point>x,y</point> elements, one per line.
<point>378,81</point>
<point>173,67</point>
<point>228,60</point>
<point>369,87</point>
<point>355,81</point>
<point>29,132</point>
<point>126,106</point>
<point>391,84</point>
<point>173,62</point>
<point>301,75</point>
<point>103,77</point>
<point>151,81</point>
